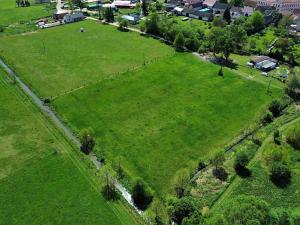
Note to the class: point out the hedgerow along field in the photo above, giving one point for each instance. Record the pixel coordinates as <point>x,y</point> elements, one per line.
<point>165,116</point>
<point>9,13</point>
<point>42,180</point>
<point>58,60</point>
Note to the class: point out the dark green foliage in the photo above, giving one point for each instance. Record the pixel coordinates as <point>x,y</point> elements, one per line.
<point>195,219</point>
<point>110,192</point>
<point>227,16</point>
<point>237,2</point>
<point>221,73</point>
<point>293,137</point>
<point>144,7</point>
<point>181,208</point>
<point>243,210</point>
<point>123,24</point>
<point>152,24</point>
<point>179,42</point>
<point>276,137</point>
<point>240,164</point>
<point>275,108</point>
<point>141,194</point>
<point>267,118</point>
<point>220,173</point>
<point>280,175</point>
<point>256,22</point>
<point>293,88</point>
<point>201,164</point>
<point>218,22</point>
<point>1,29</point>
<point>87,140</point>
<point>109,15</point>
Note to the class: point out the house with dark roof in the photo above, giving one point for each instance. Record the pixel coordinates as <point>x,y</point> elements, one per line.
<point>219,8</point>
<point>236,12</point>
<point>263,63</point>
<point>270,13</point>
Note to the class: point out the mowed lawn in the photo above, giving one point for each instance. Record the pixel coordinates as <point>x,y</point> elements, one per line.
<point>41,178</point>
<point>57,60</point>
<point>9,13</point>
<point>165,116</point>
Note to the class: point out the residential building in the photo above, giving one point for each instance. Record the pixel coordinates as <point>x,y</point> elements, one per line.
<point>219,8</point>
<point>280,5</point>
<point>209,3</point>
<point>75,17</point>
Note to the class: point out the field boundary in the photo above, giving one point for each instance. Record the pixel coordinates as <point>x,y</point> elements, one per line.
<point>47,111</point>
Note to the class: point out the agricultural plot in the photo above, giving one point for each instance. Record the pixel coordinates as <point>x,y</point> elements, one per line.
<point>9,13</point>
<point>153,110</point>
<point>56,61</point>
<point>42,180</point>
<point>166,115</point>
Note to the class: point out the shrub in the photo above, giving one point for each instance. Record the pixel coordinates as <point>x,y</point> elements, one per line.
<point>276,137</point>
<point>1,29</point>
<point>201,164</point>
<point>141,194</point>
<point>275,108</point>
<point>110,192</point>
<point>87,140</point>
<point>241,160</point>
<point>267,118</point>
<point>221,73</point>
<point>293,137</point>
<point>280,175</point>
<point>220,173</point>
<point>181,209</point>
<point>47,101</point>
<point>293,88</point>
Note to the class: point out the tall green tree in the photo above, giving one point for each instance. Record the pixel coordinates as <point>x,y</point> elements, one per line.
<point>227,16</point>
<point>256,22</point>
<point>141,194</point>
<point>179,42</point>
<point>181,181</point>
<point>144,7</point>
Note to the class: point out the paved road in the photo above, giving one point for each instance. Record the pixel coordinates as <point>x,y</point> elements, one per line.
<point>67,132</point>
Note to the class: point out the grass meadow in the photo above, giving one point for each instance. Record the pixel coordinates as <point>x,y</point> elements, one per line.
<point>166,115</point>
<point>152,109</point>
<point>9,13</point>
<point>42,180</point>
<point>55,61</point>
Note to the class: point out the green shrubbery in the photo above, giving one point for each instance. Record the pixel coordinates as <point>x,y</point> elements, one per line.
<point>293,137</point>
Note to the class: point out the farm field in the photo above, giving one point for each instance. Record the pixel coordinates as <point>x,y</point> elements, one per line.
<point>42,180</point>
<point>259,183</point>
<point>9,13</point>
<point>166,115</point>
<point>53,67</point>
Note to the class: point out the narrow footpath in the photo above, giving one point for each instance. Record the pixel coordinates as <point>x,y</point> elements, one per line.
<point>61,126</point>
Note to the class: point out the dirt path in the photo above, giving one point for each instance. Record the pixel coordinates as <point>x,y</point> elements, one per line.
<point>61,126</point>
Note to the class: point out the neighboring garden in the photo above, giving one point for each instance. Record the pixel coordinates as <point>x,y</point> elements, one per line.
<point>20,19</point>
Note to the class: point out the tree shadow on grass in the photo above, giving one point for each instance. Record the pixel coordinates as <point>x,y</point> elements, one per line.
<point>226,63</point>
<point>243,172</point>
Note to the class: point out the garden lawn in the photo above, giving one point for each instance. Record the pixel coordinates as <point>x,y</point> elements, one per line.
<point>57,60</point>
<point>166,115</point>
<point>42,180</point>
<point>9,13</point>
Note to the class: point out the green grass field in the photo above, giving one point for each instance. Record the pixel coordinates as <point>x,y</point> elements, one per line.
<point>9,13</point>
<point>165,116</point>
<point>37,185</point>
<point>58,60</point>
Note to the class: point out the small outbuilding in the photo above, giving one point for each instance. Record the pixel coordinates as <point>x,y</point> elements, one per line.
<point>219,8</point>
<point>264,63</point>
<point>132,18</point>
<point>75,17</point>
